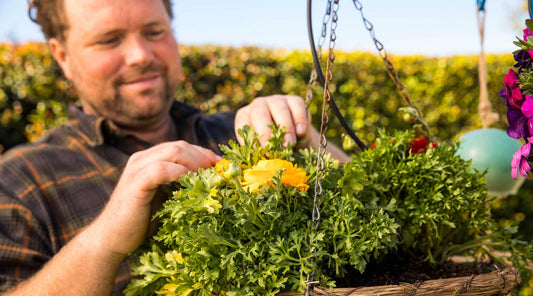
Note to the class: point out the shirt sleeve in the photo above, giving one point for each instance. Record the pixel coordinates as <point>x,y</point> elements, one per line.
<point>24,248</point>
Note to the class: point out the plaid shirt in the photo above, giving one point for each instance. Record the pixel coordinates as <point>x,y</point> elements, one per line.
<point>51,189</point>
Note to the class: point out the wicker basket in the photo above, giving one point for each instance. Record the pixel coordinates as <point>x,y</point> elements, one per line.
<point>498,282</point>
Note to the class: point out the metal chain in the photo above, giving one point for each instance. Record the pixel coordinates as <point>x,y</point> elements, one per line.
<point>321,40</point>
<point>321,166</point>
<point>404,93</point>
<point>402,90</point>
<point>325,22</point>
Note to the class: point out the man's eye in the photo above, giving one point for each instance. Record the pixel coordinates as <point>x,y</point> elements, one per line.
<point>155,33</point>
<point>108,41</point>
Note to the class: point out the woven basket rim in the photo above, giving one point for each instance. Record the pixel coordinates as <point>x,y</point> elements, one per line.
<point>496,282</point>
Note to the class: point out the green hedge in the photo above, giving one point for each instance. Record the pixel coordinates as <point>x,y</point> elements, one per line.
<point>446,90</point>
<point>33,91</point>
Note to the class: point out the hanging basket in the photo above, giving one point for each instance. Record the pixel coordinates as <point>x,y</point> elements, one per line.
<point>495,283</point>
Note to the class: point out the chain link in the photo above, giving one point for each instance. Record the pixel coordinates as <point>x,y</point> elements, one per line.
<point>402,90</point>
<point>321,40</point>
<point>321,165</point>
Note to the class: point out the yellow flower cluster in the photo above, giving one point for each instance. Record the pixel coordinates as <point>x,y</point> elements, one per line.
<point>262,173</point>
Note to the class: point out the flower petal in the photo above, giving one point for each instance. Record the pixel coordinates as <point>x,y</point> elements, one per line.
<point>295,177</point>
<point>527,106</point>
<point>527,33</point>
<point>503,93</point>
<point>530,52</point>
<point>529,129</point>
<point>517,122</point>
<point>511,79</point>
<point>524,168</point>
<point>525,150</point>
<point>517,157</point>
<point>516,99</point>
<point>222,165</point>
<point>262,173</point>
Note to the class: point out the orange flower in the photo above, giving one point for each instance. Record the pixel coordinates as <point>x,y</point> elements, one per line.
<point>222,165</point>
<point>263,172</point>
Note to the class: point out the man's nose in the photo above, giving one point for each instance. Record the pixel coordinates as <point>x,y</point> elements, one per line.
<point>138,52</point>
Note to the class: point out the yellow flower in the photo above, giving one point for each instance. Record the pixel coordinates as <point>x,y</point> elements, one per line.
<point>213,192</point>
<point>222,165</point>
<point>174,256</point>
<point>212,205</point>
<point>227,168</point>
<point>170,290</point>
<point>263,172</point>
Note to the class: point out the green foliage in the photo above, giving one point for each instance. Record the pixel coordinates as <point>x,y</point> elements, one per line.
<point>230,240</point>
<point>437,198</point>
<point>220,238</point>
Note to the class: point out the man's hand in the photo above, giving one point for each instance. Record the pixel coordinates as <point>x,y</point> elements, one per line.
<point>88,264</point>
<point>283,110</point>
<point>127,215</point>
<point>288,111</point>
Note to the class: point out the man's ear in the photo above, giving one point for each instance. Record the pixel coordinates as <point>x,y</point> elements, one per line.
<point>59,53</point>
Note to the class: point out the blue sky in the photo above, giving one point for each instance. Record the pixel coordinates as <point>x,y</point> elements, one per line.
<point>428,27</point>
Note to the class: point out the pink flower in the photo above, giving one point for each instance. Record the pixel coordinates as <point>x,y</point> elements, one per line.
<point>514,94</point>
<point>527,106</point>
<point>530,126</point>
<point>527,33</point>
<point>519,163</point>
<point>511,79</point>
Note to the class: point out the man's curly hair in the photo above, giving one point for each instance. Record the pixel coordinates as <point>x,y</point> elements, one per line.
<point>50,16</point>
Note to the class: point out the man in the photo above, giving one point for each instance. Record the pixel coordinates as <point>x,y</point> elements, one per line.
<point>74,205</point>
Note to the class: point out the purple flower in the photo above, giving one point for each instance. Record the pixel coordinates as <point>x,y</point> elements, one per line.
<point>523,60</point>
<point>520,109</point>
<point>519,162</point>
<point>518,122</point>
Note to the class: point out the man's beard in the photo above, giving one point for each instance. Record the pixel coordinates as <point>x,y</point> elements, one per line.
<point>125,113</point>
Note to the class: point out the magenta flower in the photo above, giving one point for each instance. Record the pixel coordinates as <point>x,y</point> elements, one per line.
<point>519,104</point>
<point>527,33</point>
<point>518,121</point>
<point>527,106</point>
<point>519,162</point>
<point>514,94</point>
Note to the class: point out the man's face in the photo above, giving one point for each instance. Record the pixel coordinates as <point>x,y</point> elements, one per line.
<point>122,57</point>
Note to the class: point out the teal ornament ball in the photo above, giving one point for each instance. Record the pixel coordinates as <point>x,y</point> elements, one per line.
<point>492,149</point>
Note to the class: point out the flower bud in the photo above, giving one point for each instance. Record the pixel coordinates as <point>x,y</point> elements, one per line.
<point>409,114</point>
<point>232,171</point>
<point>347,143</point>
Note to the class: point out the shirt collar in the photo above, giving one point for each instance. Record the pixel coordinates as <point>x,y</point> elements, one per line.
<point>98,130</point>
